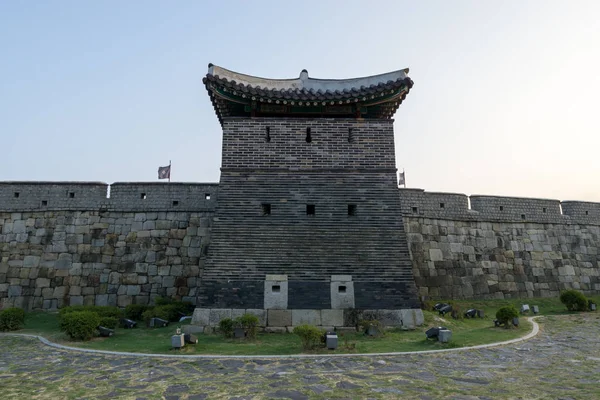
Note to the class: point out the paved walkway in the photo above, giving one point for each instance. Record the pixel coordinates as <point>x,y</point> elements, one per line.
<point>563,361</point>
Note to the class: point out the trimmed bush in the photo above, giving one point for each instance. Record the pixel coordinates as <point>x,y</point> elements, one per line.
<point>167,312</point>
<point>226,326</point>
<point>109,322</point>
<point>12,319</point>
<point>309,335</point>
<point>504,315</point>
<point>250,324</point>
<point>79,325</point>
<point>574,300</point>
<point>135,311</point>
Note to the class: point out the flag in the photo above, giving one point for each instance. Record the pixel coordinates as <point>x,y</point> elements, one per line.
<point>401,179</point>
<point>164,172</point>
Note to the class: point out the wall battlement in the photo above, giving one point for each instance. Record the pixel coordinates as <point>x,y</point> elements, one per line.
<point>120,196</point>
<point>419,203</point>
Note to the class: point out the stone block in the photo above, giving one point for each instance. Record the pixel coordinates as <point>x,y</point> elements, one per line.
<point>390,317</point>
<point>310,317</point>
<point>341,278</point>
<point>419,317</point>
<point>101,300</point>
<point>342,294</point>
<point>279,317</point>
<point>31,261</point>
<point>217,314</point>
<point>332,317</point>
<point>276,292</point>
<point>76,300</point>
<point>192,329</point>
<point>408,318</point>
<point>276,329</point>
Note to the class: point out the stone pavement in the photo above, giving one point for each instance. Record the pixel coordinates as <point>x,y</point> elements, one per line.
<point>562,362</point>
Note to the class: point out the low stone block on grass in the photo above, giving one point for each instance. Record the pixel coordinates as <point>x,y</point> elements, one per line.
<point>309,317</point>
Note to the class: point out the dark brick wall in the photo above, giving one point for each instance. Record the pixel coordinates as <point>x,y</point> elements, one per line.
<point>232,294</point>
<point>288,174</point>
<point>309,295</point>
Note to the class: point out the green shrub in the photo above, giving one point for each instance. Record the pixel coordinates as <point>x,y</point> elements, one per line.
<point>135,311</point>
<point>574,300</point>
<point>12,319</point>
<point>365,324</point>
<point>504,315</point>
<point>226,326</point>
<point>250,324</point>
<point>309,335</point>
<point>167,312</point>
<point>80,325</point>
<point>108,322</point>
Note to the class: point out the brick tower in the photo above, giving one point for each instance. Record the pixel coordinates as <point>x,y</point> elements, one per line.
<point>308,214</point>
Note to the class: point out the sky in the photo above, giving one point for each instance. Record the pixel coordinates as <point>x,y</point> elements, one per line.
<point>505,101</point>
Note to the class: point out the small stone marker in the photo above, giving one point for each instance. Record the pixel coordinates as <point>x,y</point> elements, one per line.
<point>177,341</point>
<point>331,341</point>
<point>105,332</point>
<point>128,323</point>
<point>515,321</point>
<point>158,323</point>
<point>444,335</point>
<point>593,307</point>
<point>524,308</point>
<point>480,313</point>
<point>535,309</point>
<point>190,338</point>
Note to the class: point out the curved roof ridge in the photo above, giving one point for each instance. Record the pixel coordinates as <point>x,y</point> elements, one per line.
<point>304,82</point>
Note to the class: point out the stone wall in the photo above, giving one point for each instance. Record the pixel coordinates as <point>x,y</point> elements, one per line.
<point>52,254</point>
<point>501,247</point>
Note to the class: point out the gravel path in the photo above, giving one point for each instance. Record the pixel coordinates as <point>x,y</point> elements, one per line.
<point>563,361</point>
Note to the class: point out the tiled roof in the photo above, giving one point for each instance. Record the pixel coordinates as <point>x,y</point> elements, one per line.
<point>228,90</point>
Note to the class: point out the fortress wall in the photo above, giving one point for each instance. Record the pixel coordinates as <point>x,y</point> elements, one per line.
<point>42,196</point>
<point>503,247</point>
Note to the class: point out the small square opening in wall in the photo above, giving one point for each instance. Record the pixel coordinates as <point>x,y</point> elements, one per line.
<point>442,205</point>
<point>44,203</point>
<point>175,203</point>
<point>17,194</point>
<point>71,195</point>
<point>415,210</point>
<point>501,208</point>
<point>310,209</point>
<point>275,288</point>
<point>351,210</point>
<point>266,209</point>
<point>143,196</point>
<point>341,289</point>
<point>206,196</point>
<point>586,212</point>
<point>522,216</point>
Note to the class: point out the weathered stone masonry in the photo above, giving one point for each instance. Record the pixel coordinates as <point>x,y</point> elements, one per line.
<point>501,247</point>
<point>67,243</point>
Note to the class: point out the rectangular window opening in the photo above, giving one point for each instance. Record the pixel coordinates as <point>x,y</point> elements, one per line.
<point>310,209</point>
<point>522,216</point>
<point>44,203</point>
<point>351,210</point>
<point>17,194</point>
<point>415,210</point>
<point>442,205</point>
<point>544,209</point>
<point>71,195</point>
<point>143,196</point>
<point>586,212</point>
<point>341,289</point>
<point>175,203</point>
<point>206,196</point>
<point>501,208</point>
<point>275,288</point>
<point>268,134</point>
<point>308,135</point>
<point>266,209</point>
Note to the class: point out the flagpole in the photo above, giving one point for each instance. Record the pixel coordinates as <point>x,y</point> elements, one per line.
<point>169,171</point>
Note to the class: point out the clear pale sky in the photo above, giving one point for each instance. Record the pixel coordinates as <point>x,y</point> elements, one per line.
<point>506,98</point>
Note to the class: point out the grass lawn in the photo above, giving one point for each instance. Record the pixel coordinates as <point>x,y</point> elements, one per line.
<point>465,332</point>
